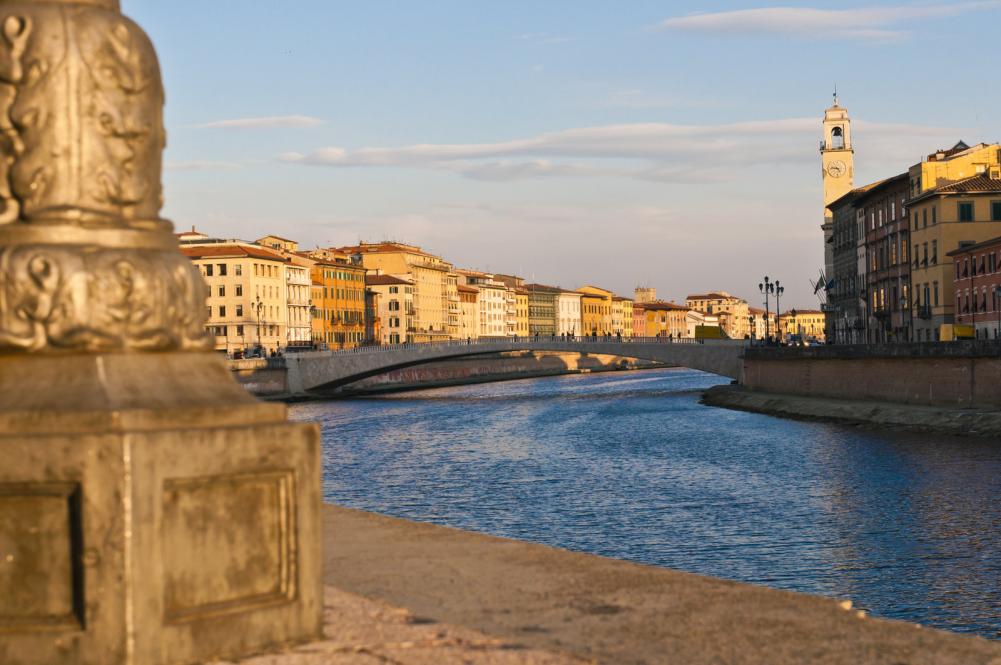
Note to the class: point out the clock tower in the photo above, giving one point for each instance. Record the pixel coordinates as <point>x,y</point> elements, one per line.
<point>837,156</point>
<point>837,159</point>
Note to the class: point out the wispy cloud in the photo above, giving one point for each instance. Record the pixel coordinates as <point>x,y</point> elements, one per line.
<point>267,122</point>
<point>872,23</point>
<point>660,152</point>
<point>202,165</point>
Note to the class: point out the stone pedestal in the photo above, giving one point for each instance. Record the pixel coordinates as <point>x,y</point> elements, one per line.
<point>151,513</point>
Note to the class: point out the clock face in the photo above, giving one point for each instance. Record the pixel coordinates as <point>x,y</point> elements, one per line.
<point>837,168</point>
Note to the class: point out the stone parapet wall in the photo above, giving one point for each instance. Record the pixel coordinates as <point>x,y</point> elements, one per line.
<point>958,349</point>
<point>967,375</point>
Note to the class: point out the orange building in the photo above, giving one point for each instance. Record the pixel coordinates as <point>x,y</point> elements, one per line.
<point>338,294</point>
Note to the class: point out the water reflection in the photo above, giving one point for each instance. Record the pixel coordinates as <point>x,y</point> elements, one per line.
<point>631,466</point>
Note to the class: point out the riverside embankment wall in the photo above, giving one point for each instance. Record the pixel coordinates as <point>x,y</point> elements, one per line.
<point>263,381</point>
<point>950,374</point>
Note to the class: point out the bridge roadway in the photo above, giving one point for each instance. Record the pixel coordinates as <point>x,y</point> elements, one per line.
<point>323,371</point>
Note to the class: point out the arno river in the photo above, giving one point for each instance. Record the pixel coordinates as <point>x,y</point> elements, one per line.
<point>630,465</point>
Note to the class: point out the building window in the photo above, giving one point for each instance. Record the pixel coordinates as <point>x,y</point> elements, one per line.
<point>239,288</point>
<point>222,291</point>
<point>239,329</point>
<point>239,310</point>
<point>222,269</point>
<point>238,269</point>
<point>966,212</point>
<point>208,269</point>
<point>222,311</point>
<point>934,252</point>
<point>935,291</point>
<point>934,215</point>
<point>996,211</point>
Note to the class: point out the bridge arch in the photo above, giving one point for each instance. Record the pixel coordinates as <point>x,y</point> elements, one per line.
<point>321,372</point>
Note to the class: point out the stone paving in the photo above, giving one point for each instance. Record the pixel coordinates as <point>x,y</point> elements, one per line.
<point>360,631</point>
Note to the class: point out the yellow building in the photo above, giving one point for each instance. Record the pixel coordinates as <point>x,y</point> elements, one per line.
<point>248,298</point>
<point>433,300</point>
<point>595,310</point>
<point>957,163</point>
<point>660,319</point>
<point>453,306</point>
<point>278,243</point>
<point>521,312</point>
<point>965,211</point>
<point>809,324</point>
<point>733,311</point>
<point>338,299</point>
<point>622,316</point>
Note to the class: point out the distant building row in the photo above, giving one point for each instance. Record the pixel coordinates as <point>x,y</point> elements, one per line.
<point>268,294</point>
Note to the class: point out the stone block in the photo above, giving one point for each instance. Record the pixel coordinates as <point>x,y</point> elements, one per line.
<point>157,540</point>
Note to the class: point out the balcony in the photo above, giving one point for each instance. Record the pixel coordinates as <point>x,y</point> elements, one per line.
<point>924,312</point>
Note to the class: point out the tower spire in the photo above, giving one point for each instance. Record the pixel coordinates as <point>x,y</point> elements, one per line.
<point>835,94</point>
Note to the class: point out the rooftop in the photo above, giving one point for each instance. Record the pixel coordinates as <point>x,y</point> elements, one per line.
<point>383,280</point>
<point>978,184</point>
<point>661,305</point>
<point>714,295</point>
<point>993,242</point>
<point>277,237</point>
<point>941,155</point>
<point>386,248</point>
<point>231,250</point>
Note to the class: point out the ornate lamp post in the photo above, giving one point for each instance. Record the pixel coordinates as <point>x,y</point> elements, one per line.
<point>258,307</point>
<point>766,288</point>
<point>772,288</point>
<point>151,511</point>
<point>779,290</point>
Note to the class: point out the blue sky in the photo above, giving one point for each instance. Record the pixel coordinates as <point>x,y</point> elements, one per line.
<point>671,144</point>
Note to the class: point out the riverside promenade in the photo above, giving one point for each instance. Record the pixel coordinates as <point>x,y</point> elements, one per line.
<point>406,592</point>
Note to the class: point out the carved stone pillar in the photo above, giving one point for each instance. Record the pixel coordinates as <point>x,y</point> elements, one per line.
<point>151,512</point>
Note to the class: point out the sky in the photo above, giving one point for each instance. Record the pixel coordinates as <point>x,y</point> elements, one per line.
<point>665,144</point>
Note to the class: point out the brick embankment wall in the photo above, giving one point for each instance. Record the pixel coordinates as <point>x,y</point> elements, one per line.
<point>950,374</point>
<point>869,413</point>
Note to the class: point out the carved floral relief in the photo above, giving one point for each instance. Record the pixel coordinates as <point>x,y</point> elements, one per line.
<point>99,299</point>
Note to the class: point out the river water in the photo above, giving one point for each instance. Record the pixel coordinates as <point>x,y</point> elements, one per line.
<point>630,465</point>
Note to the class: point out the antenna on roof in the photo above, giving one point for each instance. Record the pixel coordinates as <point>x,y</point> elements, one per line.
<point>835,94</point>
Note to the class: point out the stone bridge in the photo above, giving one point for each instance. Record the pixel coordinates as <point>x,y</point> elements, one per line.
<point>323,371</point>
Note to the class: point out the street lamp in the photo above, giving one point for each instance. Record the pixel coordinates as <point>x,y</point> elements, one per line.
<point>766,288</point>
<point>779,290</point>
<point>258,305</point>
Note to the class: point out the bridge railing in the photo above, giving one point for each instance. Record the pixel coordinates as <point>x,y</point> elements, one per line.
<point>538,342</point>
